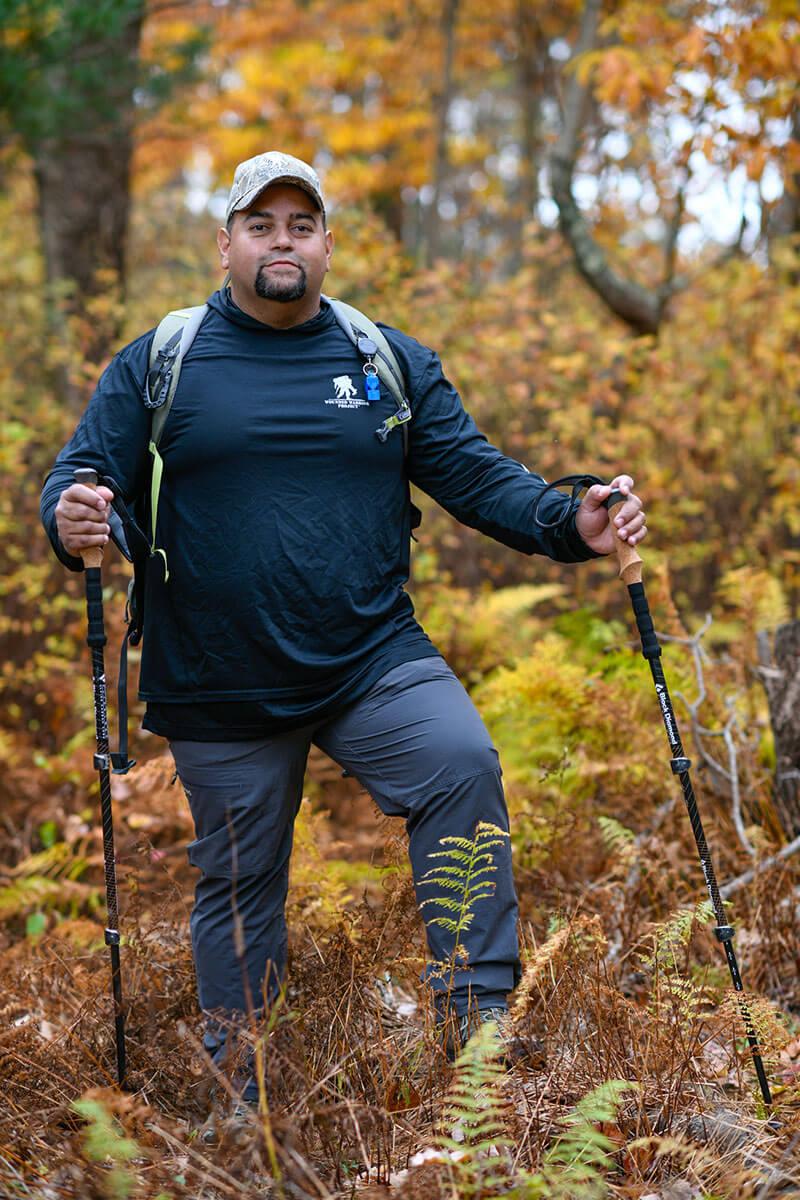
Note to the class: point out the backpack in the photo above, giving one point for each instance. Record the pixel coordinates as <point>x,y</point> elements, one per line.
<point>172,339</point>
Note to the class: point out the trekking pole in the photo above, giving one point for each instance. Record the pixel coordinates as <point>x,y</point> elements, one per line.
<point>96,640</point>
<point>630,564</point>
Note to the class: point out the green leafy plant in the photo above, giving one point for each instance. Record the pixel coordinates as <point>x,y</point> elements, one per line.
<point>49,879</point>
<point>619,839</point>
<point>576,1165</point>
<point>679,1000</point>
<point>105,1142</point>
<point>472,1136</point>
<point>464,874</point>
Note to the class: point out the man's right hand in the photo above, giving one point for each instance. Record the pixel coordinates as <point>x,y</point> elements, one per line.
<point>82,517</point>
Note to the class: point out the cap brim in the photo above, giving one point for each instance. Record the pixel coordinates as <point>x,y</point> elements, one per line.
<point>252,195</point>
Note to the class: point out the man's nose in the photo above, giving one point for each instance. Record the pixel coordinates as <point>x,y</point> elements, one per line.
<point>282,236</point>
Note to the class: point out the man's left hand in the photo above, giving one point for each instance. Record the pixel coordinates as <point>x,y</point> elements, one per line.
<point>594,525</point>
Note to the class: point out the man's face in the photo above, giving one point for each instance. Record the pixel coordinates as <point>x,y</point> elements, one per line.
<point>277,250</point>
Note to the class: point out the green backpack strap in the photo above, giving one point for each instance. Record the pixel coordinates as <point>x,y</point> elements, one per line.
<point>356,325</point>
<point>171,340</point>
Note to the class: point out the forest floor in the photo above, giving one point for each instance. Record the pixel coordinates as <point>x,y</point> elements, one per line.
<point>359,1097</point>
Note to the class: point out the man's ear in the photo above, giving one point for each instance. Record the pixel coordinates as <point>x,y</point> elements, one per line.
<point>223,245</point>
<point>329,244</point>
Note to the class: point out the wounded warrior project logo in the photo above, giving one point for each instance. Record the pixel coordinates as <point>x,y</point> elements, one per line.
<point>346,395</point>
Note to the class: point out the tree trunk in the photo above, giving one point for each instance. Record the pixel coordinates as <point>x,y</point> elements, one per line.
<point>442,103</point>
<point>82,171</point>
<point>780,674</point>
<point>532,70</point>
<point>84,226</point>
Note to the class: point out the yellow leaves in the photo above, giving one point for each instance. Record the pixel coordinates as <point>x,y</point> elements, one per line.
<point>507,603</point>
<point>319,887</point>
<point>692,48</point>
<point>569,365</point>
<point>756,595</point>
<point>626,76</point>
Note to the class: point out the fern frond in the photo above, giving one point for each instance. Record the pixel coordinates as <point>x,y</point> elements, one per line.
<point>471,1129</point>
<point>770,1024</point>
<point>58,861</point>
<point>33,891</point>
<point>37,891</point>
<point>582,934</point>
<point>450,925</point>
<point>48,879</point>
<point>671,936</point>
<point>582,1154</point>
<point>446,903</point>
<point>515,601</point>
<point>464,873</point>
<point>455,885</point>
<point>619,840</point>
<point>458,858</point>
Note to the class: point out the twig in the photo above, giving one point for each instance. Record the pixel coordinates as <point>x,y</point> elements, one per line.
<point>731,775</point>
<point>736,800</point>
<point>775,1175</point>
<point>741,881</point>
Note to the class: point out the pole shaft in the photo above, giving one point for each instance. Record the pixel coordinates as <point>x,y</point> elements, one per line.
<point>652,652</point>
<point>630,564</point>
<point>96,640</point>
<point>676,746</point>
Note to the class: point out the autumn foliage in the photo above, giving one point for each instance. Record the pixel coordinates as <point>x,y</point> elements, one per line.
<point>434,126</point>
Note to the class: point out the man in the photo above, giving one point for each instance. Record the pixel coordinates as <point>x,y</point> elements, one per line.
<point>280,618</point>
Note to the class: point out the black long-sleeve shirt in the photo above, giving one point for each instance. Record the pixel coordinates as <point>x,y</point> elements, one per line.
<point>284,519</point>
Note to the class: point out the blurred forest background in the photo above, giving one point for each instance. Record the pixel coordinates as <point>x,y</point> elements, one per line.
<point>591,209</point>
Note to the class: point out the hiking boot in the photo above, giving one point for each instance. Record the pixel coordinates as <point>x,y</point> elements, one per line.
<point>232,1124</point>
<point>513,1050</point>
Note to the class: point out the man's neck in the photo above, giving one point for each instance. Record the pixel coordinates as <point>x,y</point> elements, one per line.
<point>275,313</point>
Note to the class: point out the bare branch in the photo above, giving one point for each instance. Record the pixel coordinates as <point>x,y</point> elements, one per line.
<point>736,799</point>
<point>730,775</point>
<point>671,244</point>
<point>639,307</point>
<point>740,881</point>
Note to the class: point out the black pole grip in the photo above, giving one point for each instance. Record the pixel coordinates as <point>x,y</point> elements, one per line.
<point>96,635</point>
<point>644,622</point>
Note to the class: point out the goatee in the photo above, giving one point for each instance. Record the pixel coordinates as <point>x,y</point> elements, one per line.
<point>282,290</point>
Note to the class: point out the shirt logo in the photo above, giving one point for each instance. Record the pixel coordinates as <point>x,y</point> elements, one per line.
<point>344,388</point>
<point>346,395</point>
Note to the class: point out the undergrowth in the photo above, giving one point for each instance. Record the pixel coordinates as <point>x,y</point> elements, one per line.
<point>638,1071</point>
<point>642,1055</point>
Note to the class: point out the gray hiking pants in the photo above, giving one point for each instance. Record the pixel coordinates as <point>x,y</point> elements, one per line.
<point>415,741</point>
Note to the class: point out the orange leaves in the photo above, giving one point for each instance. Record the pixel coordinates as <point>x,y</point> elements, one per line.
<point>692,48</point>
<point>624,76</point>
<point>757,161</point>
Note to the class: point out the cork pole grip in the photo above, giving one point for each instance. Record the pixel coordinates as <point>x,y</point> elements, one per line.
<point>93,555</point>
<point>630,561</point>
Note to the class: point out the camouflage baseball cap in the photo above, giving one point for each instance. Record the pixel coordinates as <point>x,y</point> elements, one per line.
<point>255,174</point>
